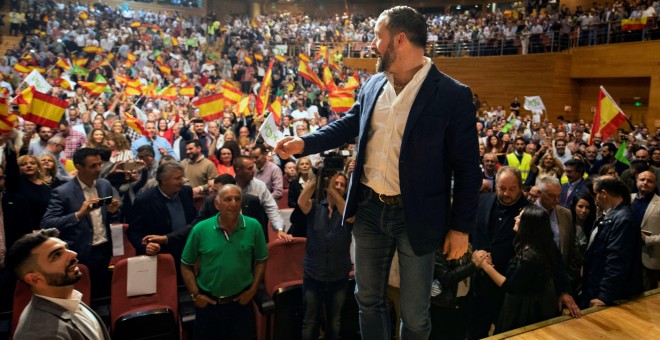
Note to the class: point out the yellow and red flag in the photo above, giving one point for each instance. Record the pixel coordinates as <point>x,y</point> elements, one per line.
<point>24,100</point>
<point>94,89</point>
<point>353,82</point>
<point>46,110</point>
<point>259,57</point>
<point>133,87</point>
<point>280,58</point>
<point>93,49</point>
<point>328,80</point>
<point>633,24</point>
<point>248,60</point>
<point>341,101</point>
<point>608,116</point>
<point>121,79</point>
<point>80,61</point>
<point>168,93</point>
<point>231,93</point>
<point>188,91</point>
<point>7,120</point>
<point>64,64</point>
<point>276,110</point>
<point>165,69</point>
<point>304,57</point>
<point>243,106</point>
<point>135,24</point>
<point>306,72</point>
<point>20,68</point>
<point>322,53</point>
<point>210,107</point>
<point>130,59</point>
<point>102,63</point>
<point>264,90</point>
<point>136,125</point>
<point>84,15</point>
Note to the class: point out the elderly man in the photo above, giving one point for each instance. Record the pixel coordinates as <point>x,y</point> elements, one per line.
<point>49,268</point>
<point>612,267</point>
<point>159,144</point>
<point>161,211</point>
<point>231,251</point>
<point>646,213</point>
<point>561,219</point>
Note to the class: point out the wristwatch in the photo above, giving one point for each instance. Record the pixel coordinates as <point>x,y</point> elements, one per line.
<point>194,296</point>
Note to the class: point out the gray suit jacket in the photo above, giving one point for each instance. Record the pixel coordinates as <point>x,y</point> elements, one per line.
<point>566,233</point>
<point>651,246</point>
<point>43,319</point>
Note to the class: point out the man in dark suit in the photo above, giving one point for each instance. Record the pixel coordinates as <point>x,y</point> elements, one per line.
<point>399,193</point>
<point>50,269</point>
<point>576,185</point>
<point>250,205</point>
<point>612,268</point>
<point>160,212</point>
<point>77,210</point>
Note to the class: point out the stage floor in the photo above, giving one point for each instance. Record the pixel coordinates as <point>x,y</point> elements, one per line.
<point>637,319</point>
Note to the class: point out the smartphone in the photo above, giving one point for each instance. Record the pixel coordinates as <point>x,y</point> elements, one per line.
<point>102,202</point>
<point>130,166</point>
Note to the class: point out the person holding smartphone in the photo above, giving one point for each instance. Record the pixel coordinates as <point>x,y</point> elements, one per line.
<point>646,211</point>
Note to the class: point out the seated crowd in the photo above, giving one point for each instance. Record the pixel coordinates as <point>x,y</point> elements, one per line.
<point>187,186</point>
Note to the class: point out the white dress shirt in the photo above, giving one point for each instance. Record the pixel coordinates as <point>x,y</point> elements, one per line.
<point>381,166</point>
<point>96,216</point>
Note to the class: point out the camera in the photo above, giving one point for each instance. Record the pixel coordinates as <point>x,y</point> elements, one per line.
<point>333,163</point>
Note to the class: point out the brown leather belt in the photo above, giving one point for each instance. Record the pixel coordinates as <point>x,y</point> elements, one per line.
<point>220,299</point>
<point>382,198</point>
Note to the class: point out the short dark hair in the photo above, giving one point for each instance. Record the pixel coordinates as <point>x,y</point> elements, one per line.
<point>225,179</point>
<point>262,148</point>
<point>197,121</point>
<point>611,147</point>
<point>578,165</point>
<point>146,148</point>
<point>519,139</point>
<point>239,160</point>
<point>21,250</point>
<point>197,143</point>
<point>409,21</point>
<point>612,186</point>
<point>81,154</point>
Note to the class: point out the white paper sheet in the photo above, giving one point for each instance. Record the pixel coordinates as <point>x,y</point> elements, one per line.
<point>117,232</point>
<point>141,275</point>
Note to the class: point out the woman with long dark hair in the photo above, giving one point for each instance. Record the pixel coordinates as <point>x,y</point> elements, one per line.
<point>583,210</point>
<point>528,281</point>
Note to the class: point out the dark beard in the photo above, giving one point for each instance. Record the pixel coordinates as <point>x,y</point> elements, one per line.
<point>386,60</point>
<point>63,279</point>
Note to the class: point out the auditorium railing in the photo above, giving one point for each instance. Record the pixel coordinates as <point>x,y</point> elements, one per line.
<point>600,34</point>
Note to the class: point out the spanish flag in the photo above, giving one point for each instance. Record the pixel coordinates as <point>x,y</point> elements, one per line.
<point>94,89</point>
<point>304,57</point>
<point>231,93</point>
<point>121,79</point>
<point>136,125</point>
<point>102,63</point>
<point>24,100</point>
<point>20,68</point>
<point>46,110</point>
<point>322,53</point>
<point>64,64</point>
<point>243,106</point>
<point>130,59</point>
<point>306,72</point>
<point>188,91</point>
<point>93,49</point>
<point>168,93</point>
<point>280,58</point>
<point>133,87</point>
<point>248,60</point>
<point>65,82</point>
<point>210,107</point>
<point>84,15</point>
<point>608,116</point>
<point>353,82</point>
<point>7,120</point>
<point>150,91</point>
<point>135,24</point>
<point>165,69</point>
<point>328,80</point>
<point>80,62</point>
<point>276,109</point>
<point>259,57</point>
<point>341,101</point>
<point>110,56</point>
<point>264,90</point>
<point>634,24</point>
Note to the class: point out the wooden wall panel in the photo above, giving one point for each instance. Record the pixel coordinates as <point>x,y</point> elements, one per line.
<point>638,59</point>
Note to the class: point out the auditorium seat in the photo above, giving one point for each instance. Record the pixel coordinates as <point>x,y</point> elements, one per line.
<point>279,309</point>
<point>283,202</point>
<point>152,316</point>
<point>22,295</point>
<point>129,250</point>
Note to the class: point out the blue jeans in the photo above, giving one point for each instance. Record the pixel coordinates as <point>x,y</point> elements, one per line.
<point>224,321</point>
<point>379,230</point>
<point>317,295</point>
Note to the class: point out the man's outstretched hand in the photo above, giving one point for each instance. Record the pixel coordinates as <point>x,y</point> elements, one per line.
<point>456,244</point>
<point>288,146</point>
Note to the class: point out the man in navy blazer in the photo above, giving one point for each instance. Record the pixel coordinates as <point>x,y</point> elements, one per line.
<point>76,210</point>
<point>416,131</point>
<point>576,185</point>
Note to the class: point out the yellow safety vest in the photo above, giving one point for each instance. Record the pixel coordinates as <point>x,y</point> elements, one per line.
<point>523,166</point>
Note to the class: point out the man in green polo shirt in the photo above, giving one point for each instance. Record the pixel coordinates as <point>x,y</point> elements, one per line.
<point>231,250</point>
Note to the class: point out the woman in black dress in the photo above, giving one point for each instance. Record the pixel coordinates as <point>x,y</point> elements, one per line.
<point>528,281</point>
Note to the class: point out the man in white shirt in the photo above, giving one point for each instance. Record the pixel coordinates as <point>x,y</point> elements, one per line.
<point>49,268</point>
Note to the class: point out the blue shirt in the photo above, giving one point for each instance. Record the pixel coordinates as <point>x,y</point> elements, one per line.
<point>327,254</point>
<point>158,142</point>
